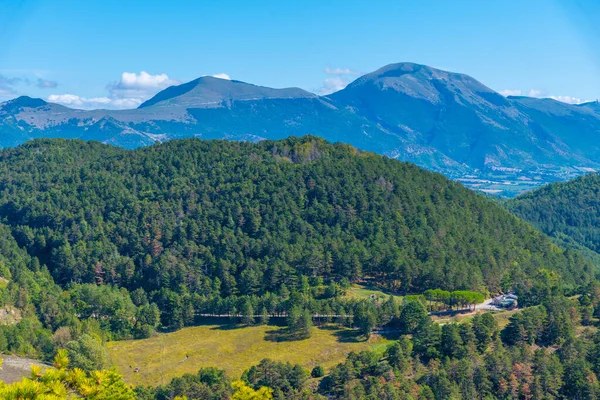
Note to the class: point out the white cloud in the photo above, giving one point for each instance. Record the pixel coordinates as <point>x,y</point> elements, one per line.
<point>340,78</point>
<point>72,100</point>
<point>139,86</point>
<point>340,71</point>
<point>129,91</point>
<point>331,85</point>
<point>144,81</point>
<point>541,94</point>
<point>125,103</point>
<point>222,75</point>
<point>511,92</point>
<point>569,99</point>
<point>536,93</point>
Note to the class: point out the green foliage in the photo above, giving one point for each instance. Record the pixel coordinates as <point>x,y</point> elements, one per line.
<point>451,342</point>
<point>453,361</point>
<point>484,328</point>
<point>62,383</point>
<point>560,325</point>
<point>427,339</point>
<point>468,361</point>
<point>464,298</point>
<point>154,237</point>
<point>567,211</point>
<point>208,383</point>
<point>193,219</point>
<point>412,315</point>
<point>317,372</point>
<point>87,353</point>
<point>399,355</point>
<point>457,298</point>
<point>148,239</point>
<point>365,317</point>
<point>526,326</point>
<point>113,308</point>
<point>299,322</point>
<point>550,323</point>
<point>247,313</point>
<point>285,379</point>
<point>244,392</point>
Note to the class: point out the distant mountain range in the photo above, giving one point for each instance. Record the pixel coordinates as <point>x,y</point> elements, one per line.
<point>442,121</point>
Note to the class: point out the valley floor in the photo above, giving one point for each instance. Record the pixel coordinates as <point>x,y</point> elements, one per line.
<point>231,348</point>
<point>510,182</point>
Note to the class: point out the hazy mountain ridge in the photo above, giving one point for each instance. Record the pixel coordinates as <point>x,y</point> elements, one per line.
<point>443,121</point>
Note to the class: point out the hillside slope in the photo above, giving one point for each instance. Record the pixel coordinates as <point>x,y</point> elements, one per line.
<point>567,211</point>
<point>219,217</point>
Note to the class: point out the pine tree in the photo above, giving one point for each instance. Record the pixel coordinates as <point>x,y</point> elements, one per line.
<point>247,313</point>
<point>264,316</point>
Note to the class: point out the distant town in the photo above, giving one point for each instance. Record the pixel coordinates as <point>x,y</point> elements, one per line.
<point>510,182</point>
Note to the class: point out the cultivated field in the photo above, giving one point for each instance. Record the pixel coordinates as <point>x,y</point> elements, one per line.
<point>231,348</point>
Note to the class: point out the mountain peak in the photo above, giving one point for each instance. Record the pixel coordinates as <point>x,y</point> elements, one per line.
<point>403,68</point>
<point>407,76</point>
<point>421,82</point>
<point>208,92</point>
<point>21,102</point>
<point>26,101</point>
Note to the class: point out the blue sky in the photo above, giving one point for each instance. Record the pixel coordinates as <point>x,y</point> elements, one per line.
<point>77,52</point>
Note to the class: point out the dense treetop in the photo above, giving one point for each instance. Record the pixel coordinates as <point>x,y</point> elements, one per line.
<point>242,218</point>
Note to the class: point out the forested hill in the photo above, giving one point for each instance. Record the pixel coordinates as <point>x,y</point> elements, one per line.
<point>218,218</point>
<point>568,211</point>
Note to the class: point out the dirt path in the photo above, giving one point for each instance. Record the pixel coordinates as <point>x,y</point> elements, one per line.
<point>488,305</point>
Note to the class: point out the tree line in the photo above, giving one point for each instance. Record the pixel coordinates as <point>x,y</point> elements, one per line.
<point>445,300</point>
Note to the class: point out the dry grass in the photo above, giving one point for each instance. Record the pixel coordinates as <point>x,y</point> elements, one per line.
<point>231,348</point>
<point>502,317</point>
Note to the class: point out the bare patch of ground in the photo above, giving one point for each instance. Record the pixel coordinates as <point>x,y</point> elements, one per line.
<point>9,315</point>
<point>15,368</point>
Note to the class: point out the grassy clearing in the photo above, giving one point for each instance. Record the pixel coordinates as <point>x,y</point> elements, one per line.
<point>502,317</point>
<point>360,292</point>
<point>231,348</point>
